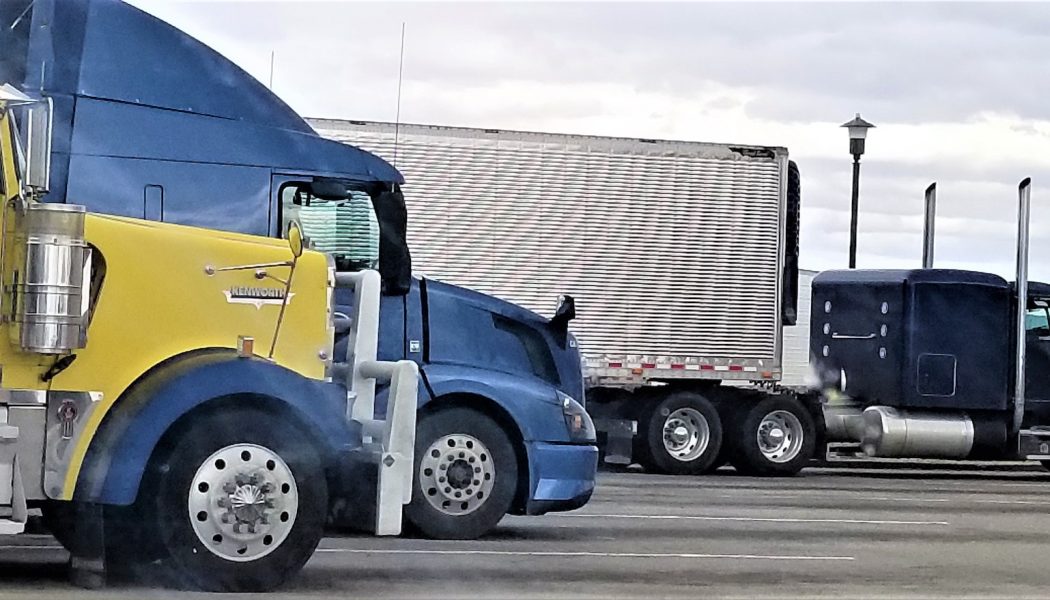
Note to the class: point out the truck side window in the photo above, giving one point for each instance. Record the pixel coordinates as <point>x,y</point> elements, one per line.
<point>1037,321</point>
<point>346,229</point>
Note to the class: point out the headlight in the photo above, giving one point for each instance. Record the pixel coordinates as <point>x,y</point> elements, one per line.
<point>577,421</point>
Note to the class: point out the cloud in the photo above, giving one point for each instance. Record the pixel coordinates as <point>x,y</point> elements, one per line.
<point>957,90</point>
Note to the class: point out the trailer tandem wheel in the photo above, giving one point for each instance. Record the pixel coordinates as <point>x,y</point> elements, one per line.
<point>680,434</point>
<point>774,437</point>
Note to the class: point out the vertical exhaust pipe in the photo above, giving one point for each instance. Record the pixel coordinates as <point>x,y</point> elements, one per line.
<point>1024,193</point>
<point>927,231</point>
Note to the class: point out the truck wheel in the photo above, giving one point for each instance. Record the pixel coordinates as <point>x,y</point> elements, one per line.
<point>775,437</point>
<point>680,435</point>
<point>466,475</point>
<point>238,503</point>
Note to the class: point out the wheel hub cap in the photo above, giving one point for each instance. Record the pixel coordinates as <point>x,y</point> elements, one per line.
<point>457,474</point>
<point>243,502</point>
<point>780,436</point>
<point>686,434</point>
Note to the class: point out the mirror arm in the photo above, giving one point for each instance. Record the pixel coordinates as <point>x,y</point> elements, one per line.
<point>211,270</point>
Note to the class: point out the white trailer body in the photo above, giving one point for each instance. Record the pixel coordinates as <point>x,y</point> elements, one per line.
<point>675,252</point>
<point>672,250</point>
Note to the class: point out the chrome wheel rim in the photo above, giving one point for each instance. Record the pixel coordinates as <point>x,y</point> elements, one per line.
<point>243,502</point>
<point>780,436</point>
<point>686,434</point>
<point>457,474</point>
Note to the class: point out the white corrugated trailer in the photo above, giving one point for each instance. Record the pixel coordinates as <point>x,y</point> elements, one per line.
<point>795,371</point>
<point>681,256</point>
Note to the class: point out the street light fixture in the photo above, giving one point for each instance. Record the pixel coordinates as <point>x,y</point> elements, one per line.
<point>858,131</point>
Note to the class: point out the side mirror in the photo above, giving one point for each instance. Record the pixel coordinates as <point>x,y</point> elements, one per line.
<point>38,145</point>
<point>566,309</point>
<point>295,239</point>
<point>559,323</point>
<point>565,313</point>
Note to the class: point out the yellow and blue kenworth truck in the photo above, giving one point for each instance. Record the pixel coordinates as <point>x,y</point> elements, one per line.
<point>202,445</point>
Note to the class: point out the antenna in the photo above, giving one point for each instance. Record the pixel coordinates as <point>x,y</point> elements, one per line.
<point>271,70</point>
<point>400,72</point>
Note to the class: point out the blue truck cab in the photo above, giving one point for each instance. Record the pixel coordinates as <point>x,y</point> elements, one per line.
<point>151,123</point>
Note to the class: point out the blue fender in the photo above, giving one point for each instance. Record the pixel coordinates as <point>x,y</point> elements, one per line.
<point>120,451</point>
<point>532,403</point>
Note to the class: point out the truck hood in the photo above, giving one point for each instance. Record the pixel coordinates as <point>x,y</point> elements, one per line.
<point>486,302</point>
<point>463,331</point>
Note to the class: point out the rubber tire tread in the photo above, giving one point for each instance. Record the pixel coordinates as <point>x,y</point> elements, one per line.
<point>649,445</point>
<point>187,560</point>
<point>745,454</point>
<point>427,521</point>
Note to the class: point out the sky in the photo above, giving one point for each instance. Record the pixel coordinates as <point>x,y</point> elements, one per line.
<point>959,94</point>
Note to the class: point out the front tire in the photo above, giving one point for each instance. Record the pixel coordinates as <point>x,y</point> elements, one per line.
<point>238,503</point>
<point>466,475</point>
<point>775,437</point>
<point>680,435</point>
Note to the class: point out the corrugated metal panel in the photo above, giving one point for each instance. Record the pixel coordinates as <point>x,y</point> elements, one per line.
<point>670,248</point>
<point>796,338</point>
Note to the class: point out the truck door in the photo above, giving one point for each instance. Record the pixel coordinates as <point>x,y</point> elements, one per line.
<point>349,232</point>
<point>1037,362</point>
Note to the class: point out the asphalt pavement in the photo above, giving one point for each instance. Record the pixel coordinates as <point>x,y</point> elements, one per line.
<point>829,533</point>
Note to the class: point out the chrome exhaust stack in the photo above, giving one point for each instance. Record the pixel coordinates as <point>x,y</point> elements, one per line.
<point>927,231</point>
<point>1024,192</point>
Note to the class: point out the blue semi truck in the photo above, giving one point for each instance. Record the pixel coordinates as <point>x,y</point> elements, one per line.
<point>151,123</point>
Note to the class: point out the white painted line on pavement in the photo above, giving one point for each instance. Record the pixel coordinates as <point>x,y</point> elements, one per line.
<point>567,554</point>
<point>1036,502</point>
<point>762,519</point>
<point>857,495</point>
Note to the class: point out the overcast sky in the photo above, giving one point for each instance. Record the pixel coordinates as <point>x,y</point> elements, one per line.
<point>960,94</point>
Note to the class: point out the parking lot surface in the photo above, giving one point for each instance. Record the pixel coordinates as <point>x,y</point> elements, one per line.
<point>829,532</point>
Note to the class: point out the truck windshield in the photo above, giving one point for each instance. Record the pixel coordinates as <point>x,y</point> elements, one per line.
<point>346,229</point>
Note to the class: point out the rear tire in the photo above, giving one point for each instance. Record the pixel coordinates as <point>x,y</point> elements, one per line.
<point>238,504</point>
<point>466,475</point>
<point>775,437</point>
<point>679,435</point>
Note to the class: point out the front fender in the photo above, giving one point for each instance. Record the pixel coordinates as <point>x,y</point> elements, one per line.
<point>120,451</point>
<point>531,402</point>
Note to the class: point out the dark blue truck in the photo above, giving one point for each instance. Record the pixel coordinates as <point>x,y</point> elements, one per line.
<point>939,363</point>
<point>151,123</point>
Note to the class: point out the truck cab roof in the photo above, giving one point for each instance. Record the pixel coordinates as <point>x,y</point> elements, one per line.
<point>130,77</point>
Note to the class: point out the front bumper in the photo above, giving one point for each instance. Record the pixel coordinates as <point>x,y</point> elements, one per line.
<point>561,476</point>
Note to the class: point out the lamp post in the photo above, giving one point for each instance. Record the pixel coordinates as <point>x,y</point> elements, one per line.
<point>858,130</point>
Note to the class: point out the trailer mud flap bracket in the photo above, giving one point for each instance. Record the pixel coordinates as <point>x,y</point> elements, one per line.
<point>619,439</point>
